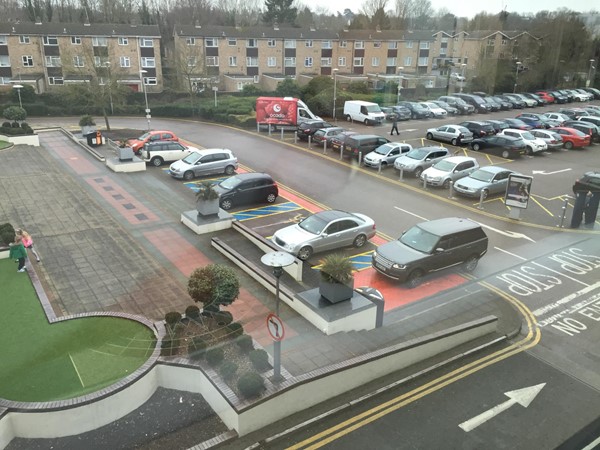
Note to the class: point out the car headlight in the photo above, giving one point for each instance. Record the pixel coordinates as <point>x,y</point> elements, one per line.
<point>374,255</point>
<point>434,178</point>
<point>399,266</point>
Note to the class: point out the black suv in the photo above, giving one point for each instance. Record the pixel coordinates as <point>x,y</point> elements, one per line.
<point>417,111</point>
<point>462,106</point>
<point>308,127</point>
<point>246,188</point>
<point>429,247</point>
<point>479,129</point>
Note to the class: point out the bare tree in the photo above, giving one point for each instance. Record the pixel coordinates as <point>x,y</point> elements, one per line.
<point>370,7</point>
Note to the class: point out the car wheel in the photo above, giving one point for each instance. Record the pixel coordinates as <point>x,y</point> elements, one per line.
<point>156,161</point>
<point>429,136</point>
<point>528,151</point>
<point>471,263</point>
<point>189,175</point>
<point>413,116</point>
<point>415,278</point>
<point>446,184</point>
<point>505,154</point>
<point>476,147</point>
<point>226,204</point>
<point>305,253</point>
<point>229,170</point>
<point>568,145</point>
<point>454,141</point>
<point>418,172</point>
<point>348,118</point>
<point>271,198</point>
<point>359,241</point>
<point>366,122</point>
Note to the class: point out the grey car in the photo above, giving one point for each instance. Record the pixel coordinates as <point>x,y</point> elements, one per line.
<point>455,134</point>
<point>204,162</point>
<point>325,230</point>
<point>386,154</point>
<point>449,170</point>
<point>419,159</point>
<point>551,138</point>
<point>485,181</point>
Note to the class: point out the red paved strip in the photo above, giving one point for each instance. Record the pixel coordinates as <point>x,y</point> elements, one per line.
<point>306,204</point>
<point>71,155</point>
<point>397,295</point>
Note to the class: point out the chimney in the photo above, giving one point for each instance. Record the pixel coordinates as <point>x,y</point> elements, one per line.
<point>276,26</point>
<point>313,28</point>
<point>64,31</point>
<point>197,25</point>
<point>378,29</point>
<point>38,21</point>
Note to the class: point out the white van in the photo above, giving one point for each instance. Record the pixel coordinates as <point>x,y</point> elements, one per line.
<point>365,112</point>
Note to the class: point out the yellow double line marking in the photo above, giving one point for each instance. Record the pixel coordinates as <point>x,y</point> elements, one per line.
<point>531,339</point>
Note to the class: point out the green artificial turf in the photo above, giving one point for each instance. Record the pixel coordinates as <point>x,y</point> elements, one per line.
<point>43,362</point>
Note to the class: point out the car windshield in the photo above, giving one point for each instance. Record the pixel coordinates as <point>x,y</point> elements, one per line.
<point>230,183</point>
<point>384,149</point>
<point>482,175</point>
<point>143,136</point>
<point>419,154</point>
<point>419,239</point>
<point>192,158</point>
<point>461,102</point>
<point>445,165</point>
<point>313,224</point>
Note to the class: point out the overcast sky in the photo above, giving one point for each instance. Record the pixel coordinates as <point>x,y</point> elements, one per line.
<point>468,8</point>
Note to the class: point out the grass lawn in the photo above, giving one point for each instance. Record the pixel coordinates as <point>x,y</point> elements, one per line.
<point>43,362</point>
<point>4,144</point>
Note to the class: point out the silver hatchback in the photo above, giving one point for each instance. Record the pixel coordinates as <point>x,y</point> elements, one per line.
<point>455,134</point>
<point>419,159</point>
<point>386,154</point>
<point>449,169</point>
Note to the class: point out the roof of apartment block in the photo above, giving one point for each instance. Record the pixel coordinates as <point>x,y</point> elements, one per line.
<point>79,29</point>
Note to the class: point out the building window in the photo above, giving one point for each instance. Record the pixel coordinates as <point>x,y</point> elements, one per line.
<point>424,45</point>
<point>377,44</point>
<point>251,61</point>
<point>148,62</point>
<point>212,61</point>
<point>326,44</point>
<point>4,61</point>
<point>308,43</point>
<point>52,61</point>
<point>99,41</point>
<point>146,42</point>
<point>23,39</point>
<point>232,42</point>
<point>290,43</point>
<point>271,43</point>
<point>359,62</point>
<point>408,61</point>
<point>256,78</point>
<point>5,81</point>
<point>240,86</point>
<point>3,40</point>
<point>271,61</point>
<point>456,39</point>
<point>100,61</point>
<point>125,61</point>
<point>423,61</point>
<point>443,51</point>
<point>491,42</point>
<point>375,61</point>
<point>192,61</point>
<point>55,80</point>
<point>211,42</point>
<point>343,44</point>
<point>27,61</point>
<point>444,40</point>
<point>504,41</point>
<point>190,41</point>
<point>233,61</point>
<point>392,45</point>
<point>342,61</point>
<point>359,44</point>
<point>326,62</point>
<point>251,43</point>
<point>308,62</point>
<point>409,44</point>
<point>390,62</point>
<point>289,62</point>
<point>76,40</point>
<point>150,81</point>
<point>123,41</point>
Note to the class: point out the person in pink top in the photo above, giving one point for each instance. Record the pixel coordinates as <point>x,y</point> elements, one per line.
<point>27,242</point>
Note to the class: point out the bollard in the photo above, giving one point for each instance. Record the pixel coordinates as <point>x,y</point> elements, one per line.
<point>564,212</point>
<point>401,173</point>
<point>325,146</point>
<point>342,151</point>
<point>451,189</point>
<point>481,196</point>
<point>257,127</point>
<point>379,167</point>
<point>424,181</point>
<point>295,137</point>
<point>269,130</point>
<point>282,134</point>
<point>359,158</point>
<point>309,141</point>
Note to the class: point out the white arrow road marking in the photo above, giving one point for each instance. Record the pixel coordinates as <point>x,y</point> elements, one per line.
<point>511,234</point>
<point>543,172</point>
<point>521,396</point>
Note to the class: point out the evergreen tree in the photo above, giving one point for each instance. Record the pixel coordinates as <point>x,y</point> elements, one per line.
<point>280,11</point>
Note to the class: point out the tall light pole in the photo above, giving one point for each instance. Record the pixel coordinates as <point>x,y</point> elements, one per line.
<point>112,109</point>
<point>148,116</point>
<point>276,260</point>
<point>517,75</point>
<point>335,71</point>
<point>589,80</point>
<point>400,69</point>
<point>463,66</point>
<point>18,87</point>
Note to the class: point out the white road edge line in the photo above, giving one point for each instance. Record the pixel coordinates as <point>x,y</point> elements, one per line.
<point>76,371</point>
<point>509,253</point>
<point>412,214</point>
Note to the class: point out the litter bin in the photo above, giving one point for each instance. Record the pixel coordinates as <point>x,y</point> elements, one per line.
<point>377,298</point>
<point>94,139</point>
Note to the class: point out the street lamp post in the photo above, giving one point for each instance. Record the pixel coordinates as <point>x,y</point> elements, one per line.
<point>148,116</point>
<point>334,91</point>
<point>517,75</point>
<point>589,80</point>
<point>112,109</point>
<point>462,74</point>
<point>18,87</point>
<point>400,69</point>
<point>277,260</point>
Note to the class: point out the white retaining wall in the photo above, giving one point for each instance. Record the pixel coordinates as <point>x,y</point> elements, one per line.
<point>30,139</point>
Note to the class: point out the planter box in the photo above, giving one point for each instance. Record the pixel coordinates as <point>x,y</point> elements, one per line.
<point>336,292</point>
<point>208,207</point>
<point>125,153</point>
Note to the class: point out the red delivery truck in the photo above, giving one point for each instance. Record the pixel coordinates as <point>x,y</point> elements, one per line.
<point>282,111</point>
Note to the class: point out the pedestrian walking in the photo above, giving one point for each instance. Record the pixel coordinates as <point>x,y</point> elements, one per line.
<point>27,242</point>
<point>17,251</point>
<point>395,124</point>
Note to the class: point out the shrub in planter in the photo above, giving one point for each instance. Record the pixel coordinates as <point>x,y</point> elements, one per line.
<point>192,312</point>
<point>86,121</point>
<point>228,370</point>
<point>250,384</point>
<point>259,359</point>
<point>15,125</point>
<point>214,356</point>
<point>197,348</point>
<point>235,329</point>
<point>172,318</point>
<point>5,124</point>
<point>7,234</point>
<point>223,318</point>
<point>244,342</point>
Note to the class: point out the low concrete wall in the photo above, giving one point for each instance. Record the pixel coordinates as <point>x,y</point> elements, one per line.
<point>30,139</point>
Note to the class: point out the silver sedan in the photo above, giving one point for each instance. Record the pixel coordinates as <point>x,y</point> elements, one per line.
<point>485,181</point>
<point>325,230</point>
<point>455,134</point>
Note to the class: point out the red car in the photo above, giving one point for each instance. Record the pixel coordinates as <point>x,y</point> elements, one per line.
<point>572,138</point>
<point>138,144</point>
<point>545,96</point>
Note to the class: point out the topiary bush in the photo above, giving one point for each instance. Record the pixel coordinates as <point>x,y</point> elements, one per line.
<point>7,234</point>
<point>172,318</point>
<point>192,312</point>
<point>197,348</point>
<point>15,125</point>
<point>245,343</point>
<point>235,329</point>
<point>250,384</point>
<point>228,370</point>
<point>223,318</point>
<point>214,356</point>
<point>259,359</point>
<point>5,124</point>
